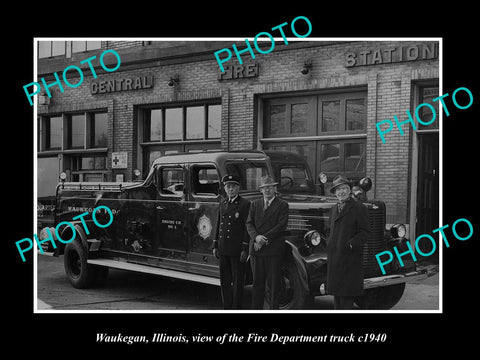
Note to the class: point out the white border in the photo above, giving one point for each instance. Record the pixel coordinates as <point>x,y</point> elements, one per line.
<point>220,311</point>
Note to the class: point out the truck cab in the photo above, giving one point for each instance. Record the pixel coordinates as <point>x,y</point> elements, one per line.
<point>166,225</point>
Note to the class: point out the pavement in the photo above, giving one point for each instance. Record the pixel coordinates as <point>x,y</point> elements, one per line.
<point>126,290</point>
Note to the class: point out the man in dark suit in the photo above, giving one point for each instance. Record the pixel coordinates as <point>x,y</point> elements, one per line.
<point>266,224</point>
<point>232,245</point>
<point>349,230</point>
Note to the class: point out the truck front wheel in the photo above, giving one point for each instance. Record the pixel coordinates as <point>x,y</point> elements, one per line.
<point>292,294</point>
<point>81,274</point>
<point>381,298</point>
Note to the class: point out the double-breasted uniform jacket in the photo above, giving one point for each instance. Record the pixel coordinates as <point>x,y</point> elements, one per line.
<point>232,234</point>
<point>349,230</point>
<point>271,223</point>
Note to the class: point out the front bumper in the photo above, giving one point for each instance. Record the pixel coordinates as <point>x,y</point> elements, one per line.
<point>395,279</point>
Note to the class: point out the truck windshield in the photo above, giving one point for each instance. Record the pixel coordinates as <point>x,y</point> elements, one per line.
<point>294,178</point>
<point>249,173</point>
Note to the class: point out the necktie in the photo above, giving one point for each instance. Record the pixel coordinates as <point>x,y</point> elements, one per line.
<point>266,206</point>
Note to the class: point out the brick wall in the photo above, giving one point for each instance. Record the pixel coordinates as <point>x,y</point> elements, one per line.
<point>388,88</point>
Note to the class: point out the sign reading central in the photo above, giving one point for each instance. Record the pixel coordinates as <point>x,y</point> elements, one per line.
<point>124,84</point>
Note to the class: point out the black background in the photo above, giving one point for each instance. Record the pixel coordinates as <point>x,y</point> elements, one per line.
<point>409,334</point>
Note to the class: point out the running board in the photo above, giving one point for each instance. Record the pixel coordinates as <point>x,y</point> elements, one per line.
<point>395,279</point>
<point>155,271</point>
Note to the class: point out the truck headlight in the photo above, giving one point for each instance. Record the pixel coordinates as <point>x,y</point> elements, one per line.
<point>312,238</point>
<point>398,231</point>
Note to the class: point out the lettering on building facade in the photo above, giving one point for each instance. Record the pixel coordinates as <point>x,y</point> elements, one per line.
<point>423,51</point>
<point>239,72</point>
<point>123,84</point>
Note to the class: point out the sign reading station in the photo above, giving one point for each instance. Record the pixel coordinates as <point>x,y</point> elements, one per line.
<point>377,56</point>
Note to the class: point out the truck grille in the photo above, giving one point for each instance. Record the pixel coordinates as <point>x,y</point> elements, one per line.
<point>298,223</point>
<point>376,242</point>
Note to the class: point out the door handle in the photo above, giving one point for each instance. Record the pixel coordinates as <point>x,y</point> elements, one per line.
<point>160,208</point>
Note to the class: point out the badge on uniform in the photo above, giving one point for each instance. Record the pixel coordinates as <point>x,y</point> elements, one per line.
<point>237,214</point>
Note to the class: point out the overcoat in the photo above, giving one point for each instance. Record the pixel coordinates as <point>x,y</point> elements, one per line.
<point>271,223</point>
<point>349,230</point>
<point>233,236</point>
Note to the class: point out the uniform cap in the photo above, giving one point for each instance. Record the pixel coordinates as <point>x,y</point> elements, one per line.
<point>231,179</point>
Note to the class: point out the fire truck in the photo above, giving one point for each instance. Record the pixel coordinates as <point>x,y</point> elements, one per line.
<point>166,224</point>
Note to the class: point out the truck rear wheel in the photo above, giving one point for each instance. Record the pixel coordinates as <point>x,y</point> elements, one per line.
<point>381,298</point>
<point>81,274</point>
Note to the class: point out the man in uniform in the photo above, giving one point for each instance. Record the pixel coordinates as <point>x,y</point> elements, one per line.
<point>232,245</point>
<point>266,224</point>
<point>349,230</point>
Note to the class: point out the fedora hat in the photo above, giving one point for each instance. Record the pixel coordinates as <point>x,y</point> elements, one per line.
<point>337,181</point>
<point>267,181</point>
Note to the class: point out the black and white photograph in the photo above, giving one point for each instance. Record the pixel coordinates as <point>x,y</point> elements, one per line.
<point>147,129</point>
<point>273,185</point>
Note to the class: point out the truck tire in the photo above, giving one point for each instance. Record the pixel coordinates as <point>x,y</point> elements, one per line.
<point>79,272</point>
<point>381,298</point>
<point>292,295</point>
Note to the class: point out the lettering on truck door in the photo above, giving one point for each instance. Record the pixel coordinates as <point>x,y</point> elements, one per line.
<point>171,211</point>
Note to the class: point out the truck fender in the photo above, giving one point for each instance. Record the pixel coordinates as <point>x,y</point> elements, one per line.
<point>81,236</point>
<point>299,264</point>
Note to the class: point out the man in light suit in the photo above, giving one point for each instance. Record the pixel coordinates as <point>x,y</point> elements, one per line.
<point>266,224</point>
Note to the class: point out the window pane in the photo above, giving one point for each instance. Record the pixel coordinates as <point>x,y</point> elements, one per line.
<point>48,170</point>
<point>169,152</point>
<point>299,118</point>
<point>195,122</point>
<point>100,162</point>
<point>277,119</point>
<point>329,158</point>
<point>58,48</point>
<point>77,128</point>
<point>55,133</point>
<point>275,147</point>
<point>355,113</point>
<point>214,121</point>
<point>88,163</point>
<point>301,150</point>
<point>78,46</point>
<point>173,124</point>
<point>152,156</point>
<point>293,178</point>
<point>355,157</point>
<point>205,181</point>
<point>172,181</point>
<point>425,113</point>
<point>331,115</point>
<point>100,130</point>
<point>156,120</point>
<point>44,49</point>
<point>92,45</point>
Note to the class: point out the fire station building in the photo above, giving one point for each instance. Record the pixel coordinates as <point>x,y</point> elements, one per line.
<point>317,98</point>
